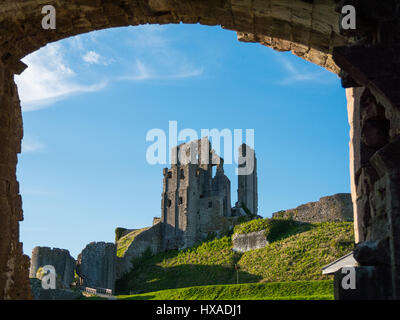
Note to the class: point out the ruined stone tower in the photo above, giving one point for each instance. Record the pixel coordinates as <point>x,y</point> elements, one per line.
<point>192,199</point>
<point>247,179</point>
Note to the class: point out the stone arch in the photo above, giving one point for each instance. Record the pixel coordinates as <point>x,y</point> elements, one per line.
<point>308,28</point>
<point>364,58</point>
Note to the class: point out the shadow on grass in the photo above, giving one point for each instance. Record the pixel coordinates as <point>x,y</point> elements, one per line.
<point>149,276</point>
<point>142,297</point>
<point>281,229</point>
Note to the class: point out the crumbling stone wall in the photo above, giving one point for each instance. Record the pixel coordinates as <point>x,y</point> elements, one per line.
<point>96,265</point>
<point>338,207</point>
<point>60,259</point>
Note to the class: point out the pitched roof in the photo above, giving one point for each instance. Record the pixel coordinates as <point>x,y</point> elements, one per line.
<point>345,261</point>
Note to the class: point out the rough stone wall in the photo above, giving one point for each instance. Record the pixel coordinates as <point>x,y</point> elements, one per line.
<point>249,241</point>
<point>60,259</point>
<point>14,281</point>
<point>148,239</point>
<point>96,265</point>
<point>370,72</point>
<point>338,207</point>
<point>375,162</point>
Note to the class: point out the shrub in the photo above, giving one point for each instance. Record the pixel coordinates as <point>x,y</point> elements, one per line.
<point>118,233</point>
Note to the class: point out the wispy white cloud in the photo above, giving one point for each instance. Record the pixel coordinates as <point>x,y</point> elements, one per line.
<point>91,57</point>
<point>146,72</point>
<point>157,57</point>
<point>298,74</point>
<point>48,78</point>
<point>60,69</point>
<point>30,145</point>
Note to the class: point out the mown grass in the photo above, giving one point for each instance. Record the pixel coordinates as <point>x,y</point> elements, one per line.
<point>298,253</point>
<point>291,290</point>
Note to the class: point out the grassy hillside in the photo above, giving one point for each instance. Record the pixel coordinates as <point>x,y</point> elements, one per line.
<point>301,256</point>
<point>124,242</point>
<point>298,254</point>
<point>293,290</point>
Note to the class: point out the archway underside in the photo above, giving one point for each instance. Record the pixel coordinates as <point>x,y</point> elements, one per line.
<point>308,28</point>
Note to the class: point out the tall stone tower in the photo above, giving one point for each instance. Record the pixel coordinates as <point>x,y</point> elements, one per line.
<point>191,196</point>
<point>247,179</point>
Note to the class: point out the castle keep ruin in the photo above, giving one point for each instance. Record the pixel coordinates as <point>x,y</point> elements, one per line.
<point>193,200</point>
<point>195,203</point>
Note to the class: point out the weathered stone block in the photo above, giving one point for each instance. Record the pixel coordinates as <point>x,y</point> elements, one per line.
<point>249,241</point>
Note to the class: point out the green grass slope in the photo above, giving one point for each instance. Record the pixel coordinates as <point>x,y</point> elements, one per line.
<point>301,256</point>
<point>299,253</point>
<point>293,290</point>
<point>124,242</point>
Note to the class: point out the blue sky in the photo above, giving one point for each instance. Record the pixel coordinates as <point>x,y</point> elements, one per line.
<point>89,101</point>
